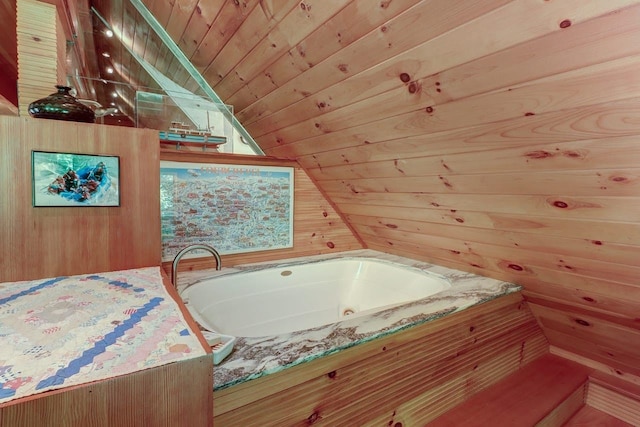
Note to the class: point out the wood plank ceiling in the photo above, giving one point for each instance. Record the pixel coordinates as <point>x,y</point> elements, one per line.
<point>494,136</point>
<point>499,137</point>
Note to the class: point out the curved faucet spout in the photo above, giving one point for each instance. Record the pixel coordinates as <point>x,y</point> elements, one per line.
<point>183,252</point>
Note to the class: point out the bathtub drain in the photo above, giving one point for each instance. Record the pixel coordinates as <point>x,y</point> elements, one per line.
<point>348,311</point>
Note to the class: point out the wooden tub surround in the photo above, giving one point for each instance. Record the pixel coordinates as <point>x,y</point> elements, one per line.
<point>409,373</point>
<point>406,379</point>
<point>254,357</point>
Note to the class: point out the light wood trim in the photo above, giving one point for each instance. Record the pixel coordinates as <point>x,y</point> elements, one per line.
<point>522,262</point>
<point>527,99</point>
<point>411,108</point>
<point>584,302</point>
<point>591,154</point>
<point>225,23</point>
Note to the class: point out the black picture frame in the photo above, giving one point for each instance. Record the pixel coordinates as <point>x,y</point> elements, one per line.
<point>60,179</point>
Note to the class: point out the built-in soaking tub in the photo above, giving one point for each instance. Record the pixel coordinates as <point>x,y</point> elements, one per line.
<point>297,310</point>
<point>285,299</point>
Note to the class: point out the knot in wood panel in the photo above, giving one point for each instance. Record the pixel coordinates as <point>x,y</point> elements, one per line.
<point>565,24</point>
<point>313,418</point>
<point>516,267</point>
<point>582,322</point>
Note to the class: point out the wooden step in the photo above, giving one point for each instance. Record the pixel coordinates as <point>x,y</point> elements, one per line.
<point>547,391</point>
<point>588,416</point>
<point>613,396</point>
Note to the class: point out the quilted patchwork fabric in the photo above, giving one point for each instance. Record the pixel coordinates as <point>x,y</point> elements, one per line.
<point>64,331</point>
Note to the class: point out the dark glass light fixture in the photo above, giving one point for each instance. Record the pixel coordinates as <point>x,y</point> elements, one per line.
<point>61,106</point>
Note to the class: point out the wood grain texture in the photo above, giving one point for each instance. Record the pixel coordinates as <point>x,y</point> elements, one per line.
<point>37,51</point>
<point>498,137</point>
<point>602,339</point>
<point>47,241</point>
<point>615,397</point>
<point>533,396</point>
<point>588,416</point>
<point>169,395</point>
<point>513,156</point>
<point>408,377</point>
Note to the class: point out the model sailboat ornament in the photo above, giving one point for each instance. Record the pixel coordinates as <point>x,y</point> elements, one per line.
<point>181,133</point>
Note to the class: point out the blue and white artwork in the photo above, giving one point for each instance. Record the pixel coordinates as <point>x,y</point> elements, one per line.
<point>67,179</point>
<point>234,208</point>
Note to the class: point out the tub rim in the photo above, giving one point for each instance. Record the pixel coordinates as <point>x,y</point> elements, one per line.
<point>255,357</point>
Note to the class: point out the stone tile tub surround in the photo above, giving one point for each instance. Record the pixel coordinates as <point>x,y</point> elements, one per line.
<point>258,356</point>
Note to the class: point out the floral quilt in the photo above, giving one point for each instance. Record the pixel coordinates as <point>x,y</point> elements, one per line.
<point>65,331</point>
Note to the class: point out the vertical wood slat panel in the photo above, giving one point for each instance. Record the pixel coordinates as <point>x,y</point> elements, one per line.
<point>171,395</point>
<point>61,53</point>
<point>37,51</point>
<point>55,241</point>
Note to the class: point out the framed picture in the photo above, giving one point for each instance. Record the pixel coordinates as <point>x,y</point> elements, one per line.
<point>234,208</point>
<point>68,179</point>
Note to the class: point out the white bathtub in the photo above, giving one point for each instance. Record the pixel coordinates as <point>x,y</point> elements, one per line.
<point>292,298</point>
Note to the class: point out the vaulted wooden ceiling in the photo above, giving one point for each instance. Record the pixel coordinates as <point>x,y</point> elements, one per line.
<point>499,137</point>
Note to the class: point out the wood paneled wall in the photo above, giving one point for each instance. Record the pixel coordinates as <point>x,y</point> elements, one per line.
<point>317,227</point>
<point>45,242</point>
<point>498,137</point>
